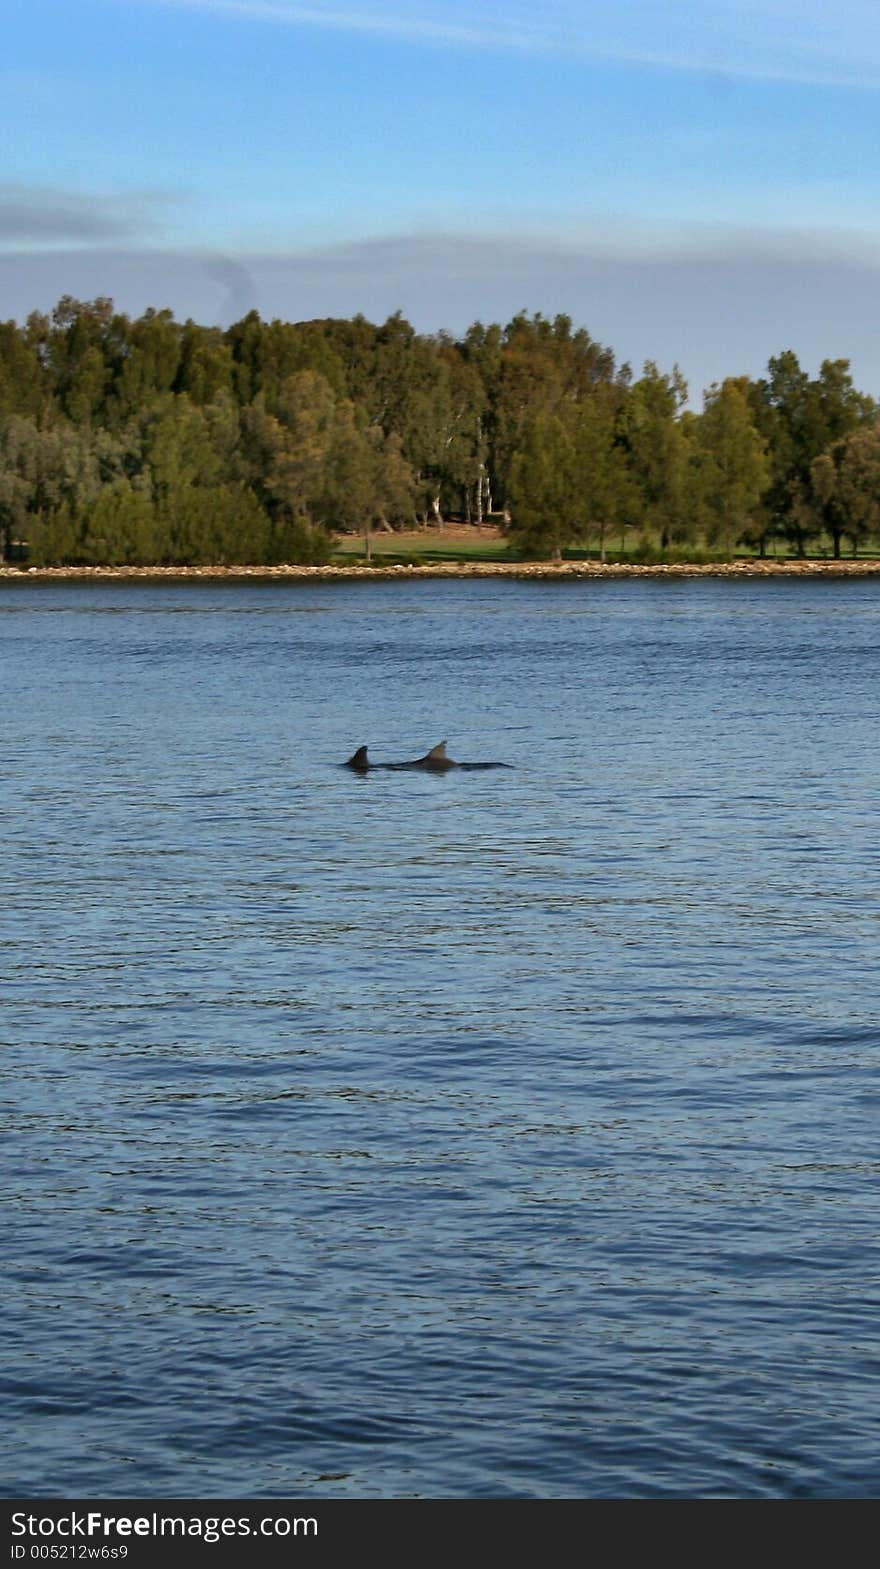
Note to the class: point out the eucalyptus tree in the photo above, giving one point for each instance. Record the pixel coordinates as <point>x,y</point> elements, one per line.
<point>266,354</point>
<point>607,495</point>
<point>147,365</point>
<point>845,486</point>
<point>542,490</point>
<point>800,418</point>
<point>730,465</point>
<point>440,435</point>
<point>542,368</point>
<point>23,383</point>
<point>652,435</point>
<point>44,470</point>
<point>121,526</point>
<point>366,481</point>
<point>206,369</point>
<point>306,415</point>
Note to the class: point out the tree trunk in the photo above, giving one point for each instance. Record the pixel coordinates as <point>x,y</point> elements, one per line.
<point>435,508</point>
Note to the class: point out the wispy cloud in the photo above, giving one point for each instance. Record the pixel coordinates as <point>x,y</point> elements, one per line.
<point>52,216</point>
<point>771,40</point>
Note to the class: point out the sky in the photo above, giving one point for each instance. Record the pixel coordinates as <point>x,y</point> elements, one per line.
<point>694,182</point>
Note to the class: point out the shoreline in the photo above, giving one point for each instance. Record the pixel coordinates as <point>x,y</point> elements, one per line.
<point>455,569</point>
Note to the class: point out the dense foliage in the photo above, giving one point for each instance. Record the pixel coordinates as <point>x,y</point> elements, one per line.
<point>158,442</point>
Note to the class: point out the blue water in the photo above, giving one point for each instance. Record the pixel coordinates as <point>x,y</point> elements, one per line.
<point>487,1134</point>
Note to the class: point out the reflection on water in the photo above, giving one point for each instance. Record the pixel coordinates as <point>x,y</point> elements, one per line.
<point>476,1134</point>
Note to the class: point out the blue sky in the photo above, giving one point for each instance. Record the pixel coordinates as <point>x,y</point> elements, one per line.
<point>693,181</point>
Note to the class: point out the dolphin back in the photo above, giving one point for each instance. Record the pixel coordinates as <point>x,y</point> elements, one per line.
<point>437,758</point>
<point>436,761</point>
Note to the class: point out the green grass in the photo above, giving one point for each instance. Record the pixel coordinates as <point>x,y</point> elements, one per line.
<point>387,552</point>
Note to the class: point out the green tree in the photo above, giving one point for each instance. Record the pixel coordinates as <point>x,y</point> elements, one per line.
<point>543,490</point>
<point>148,363</point>
<point>266,354</point>
<point>607,493</point>
<point>120,526</point>
<point>731,466</point>
<point>439,432</point>
<point>306,420</point>
<point>43,470</point>
<point>23,386</point>
<point>219,526</point>
<point>76,353</point>
<point>800,418</point>
<point>367,481</point>
<point>653,438</point>
<point>845,486</point>
<point>206,370</point>
<point>544,368</point>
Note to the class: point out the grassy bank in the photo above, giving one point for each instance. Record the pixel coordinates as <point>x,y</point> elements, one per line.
<point>422,547</point>
<point>468,545</point>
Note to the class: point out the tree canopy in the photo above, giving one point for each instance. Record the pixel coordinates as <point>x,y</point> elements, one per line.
<point>155,441</point>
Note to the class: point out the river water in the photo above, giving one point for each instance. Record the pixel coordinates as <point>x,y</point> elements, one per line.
<point>490,1134</point>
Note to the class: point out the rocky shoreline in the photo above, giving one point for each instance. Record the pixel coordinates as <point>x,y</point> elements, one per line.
<point>445,569</point>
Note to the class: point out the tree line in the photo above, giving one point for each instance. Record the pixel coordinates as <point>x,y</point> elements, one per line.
<point>151,441</point>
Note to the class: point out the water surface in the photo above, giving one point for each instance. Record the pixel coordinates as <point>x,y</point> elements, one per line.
<point>482,1134</point>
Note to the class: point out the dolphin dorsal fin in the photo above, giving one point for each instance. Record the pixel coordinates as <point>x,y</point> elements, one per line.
<point>360,759</point>
<point>437,753</point>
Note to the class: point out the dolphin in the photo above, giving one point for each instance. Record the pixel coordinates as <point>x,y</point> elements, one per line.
<point>435,761</point>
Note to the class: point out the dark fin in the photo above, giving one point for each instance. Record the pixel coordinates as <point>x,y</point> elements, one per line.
<point>360,760</point>
<point>437,759</point>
